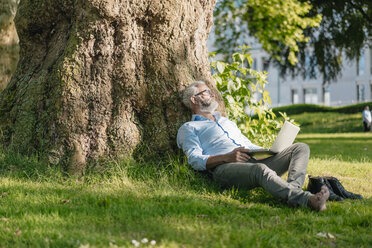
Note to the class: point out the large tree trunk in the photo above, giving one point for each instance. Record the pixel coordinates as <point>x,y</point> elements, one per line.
<point>9,48</point>
<point>99,78</point>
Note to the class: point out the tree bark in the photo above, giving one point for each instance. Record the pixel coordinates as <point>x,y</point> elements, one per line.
<point>9,48</point>
<point>100,78</point>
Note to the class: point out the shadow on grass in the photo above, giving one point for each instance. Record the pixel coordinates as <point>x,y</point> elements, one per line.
<point>175,172</point>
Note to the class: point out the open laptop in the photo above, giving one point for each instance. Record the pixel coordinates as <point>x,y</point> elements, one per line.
<point>285,138</point>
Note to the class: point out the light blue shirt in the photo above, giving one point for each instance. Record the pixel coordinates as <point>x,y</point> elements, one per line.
<point>202,137</point>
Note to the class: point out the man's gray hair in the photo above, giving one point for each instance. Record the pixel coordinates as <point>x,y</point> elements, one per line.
<point>190,90</point>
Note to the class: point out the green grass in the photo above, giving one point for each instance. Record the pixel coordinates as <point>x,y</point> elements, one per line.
<point>301,108</point>
<point>111,205</point>
<point>343,146</point>
<point>329,122</point>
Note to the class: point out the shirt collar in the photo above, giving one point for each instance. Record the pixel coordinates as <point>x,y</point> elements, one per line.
<point>216,114</point>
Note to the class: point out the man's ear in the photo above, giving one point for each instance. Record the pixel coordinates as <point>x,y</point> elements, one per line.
<point>192,99</point>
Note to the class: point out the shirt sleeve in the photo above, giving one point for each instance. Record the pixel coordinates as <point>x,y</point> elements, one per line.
<point>190,144</point>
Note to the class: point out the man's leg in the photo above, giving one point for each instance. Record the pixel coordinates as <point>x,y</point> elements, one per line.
<point>367,126</point>
<point>250,175</point>
<point>293,159</point>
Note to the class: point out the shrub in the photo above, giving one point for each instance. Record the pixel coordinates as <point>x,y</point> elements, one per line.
<point>302,108</point>
<point>238,84</point>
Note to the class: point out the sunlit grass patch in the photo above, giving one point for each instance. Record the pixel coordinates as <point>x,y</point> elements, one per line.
<point>328,122</point>
<point>341,146</point>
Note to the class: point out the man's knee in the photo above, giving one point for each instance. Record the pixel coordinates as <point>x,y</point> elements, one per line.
<point>302,147</point>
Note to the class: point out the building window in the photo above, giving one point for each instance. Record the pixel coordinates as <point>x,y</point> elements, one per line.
<point>254,64</point>
<point>360,64</point>
<point>360,93</point>
<point>326,96</point>
<point>307,66</point>
<point>295,98</point>
<point>310,95</point>
<point>265,64</point>
<point>370,59</point>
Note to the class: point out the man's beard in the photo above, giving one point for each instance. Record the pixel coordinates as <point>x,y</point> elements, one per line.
<point>207,106</point>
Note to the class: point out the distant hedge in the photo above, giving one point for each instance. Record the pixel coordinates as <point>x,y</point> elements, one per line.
<point>301,108</point>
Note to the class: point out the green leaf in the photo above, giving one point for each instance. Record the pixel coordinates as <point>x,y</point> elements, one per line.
<point>230,86</point>
<point>217,78</point>
<point>220,67</point>
<point>238,57</point>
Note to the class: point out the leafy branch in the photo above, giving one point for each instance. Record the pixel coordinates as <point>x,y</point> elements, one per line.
<point>239,86</point>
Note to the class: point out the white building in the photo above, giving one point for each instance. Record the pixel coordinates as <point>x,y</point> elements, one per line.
<point>353,86</point>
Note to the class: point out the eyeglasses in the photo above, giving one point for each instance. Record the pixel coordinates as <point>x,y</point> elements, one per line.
<point>208,91</point>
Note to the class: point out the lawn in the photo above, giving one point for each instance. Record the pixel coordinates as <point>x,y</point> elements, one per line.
<point>329,122</point>
<point>176,207</point>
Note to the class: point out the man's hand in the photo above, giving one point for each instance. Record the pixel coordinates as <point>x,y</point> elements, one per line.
<point>239,154</point>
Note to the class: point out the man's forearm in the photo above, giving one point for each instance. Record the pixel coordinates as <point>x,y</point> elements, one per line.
<point>237,155</point>
<point>214,161</point>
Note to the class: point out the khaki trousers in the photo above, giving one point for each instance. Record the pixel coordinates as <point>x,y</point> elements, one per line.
<point>266,174</point>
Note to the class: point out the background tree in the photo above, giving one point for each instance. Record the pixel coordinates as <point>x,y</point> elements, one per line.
<point>289,31</point>
<point>103,77</point>
<point>9,48</point>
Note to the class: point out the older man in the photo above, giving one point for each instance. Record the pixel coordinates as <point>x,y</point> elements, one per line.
<point>367,119</point>
<point>215,144</point>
